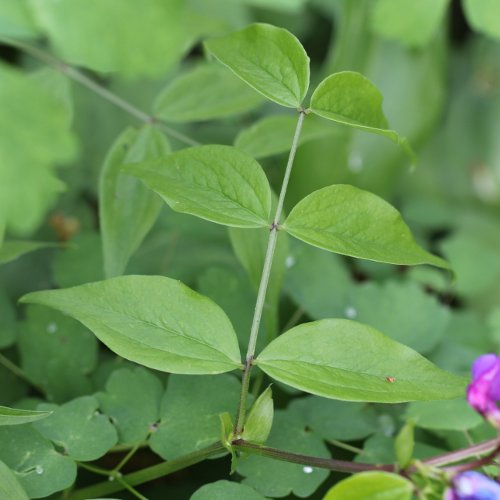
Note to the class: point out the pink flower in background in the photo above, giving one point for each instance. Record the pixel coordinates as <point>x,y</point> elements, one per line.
<point>484,390</point>
<point>472,485</point>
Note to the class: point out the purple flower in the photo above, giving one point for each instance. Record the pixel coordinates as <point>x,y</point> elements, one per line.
<point>484,390</point>
<point>472,485</point>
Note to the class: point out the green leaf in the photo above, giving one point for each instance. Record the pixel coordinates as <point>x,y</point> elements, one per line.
<point>57,353</point>
<point>79,262</point>
<point>127,209</point>
<point>260,419</point>
<point>217,183</point>
<point>275,478</point>
<point>483,16</point>
<point>151,320</point>
<point>27,183</point>
<point>16,19</point>
<point>346,360</point>
<point>454,414</point>
<point>373,486</point>
<point>204,93</point>
<point>79,429</point>
<point>273,135</point>
<point>269,59</point>
<point>336,420</point>
<point>132,400</point>
<point>402,310</point>
<point>40,469</point>
<point>149,37</point>
<point>9,485</point>
<point>404,444</point>
<point>15,416</point>
<point>309,277</point>
<point>351,99</point>
<point>412,23</point>
<point>226,490</point>
<point>12,250</point>
<point>237,297</point>
<point>347,220</point>
<point>191,423</point>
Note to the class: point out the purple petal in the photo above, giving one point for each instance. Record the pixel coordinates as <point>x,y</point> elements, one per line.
<point>483,364</point>
<point>472,485</point>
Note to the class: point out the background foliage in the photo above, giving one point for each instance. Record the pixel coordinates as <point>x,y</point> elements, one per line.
<point>437,63</point>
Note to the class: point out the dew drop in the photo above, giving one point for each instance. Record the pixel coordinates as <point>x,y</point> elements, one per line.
<point>350,312</point>
<point>39,469</point>
<point>307,469</point>
<point>52,328</point>
<point>355,161</point>
<point>290,261</point>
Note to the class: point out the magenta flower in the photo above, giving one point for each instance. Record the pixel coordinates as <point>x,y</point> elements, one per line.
<point>472,485</point>
<point>484,390</point>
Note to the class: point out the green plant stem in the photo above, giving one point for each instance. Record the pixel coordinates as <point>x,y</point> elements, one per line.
<point>464,453</point>
<point>18,372</point>
<point>345,446</point>
<point>294,319</point>
<point>148,474</point>
<point>90,84</point>
<point>127,457</point>
<point>297,458</point>
<point>264,281</point>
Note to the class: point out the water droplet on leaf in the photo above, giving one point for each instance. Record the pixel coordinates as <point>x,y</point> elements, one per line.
<point>39,469</point>
<point>307,469</point>
<point>52,328</point>
<point>350,312</point>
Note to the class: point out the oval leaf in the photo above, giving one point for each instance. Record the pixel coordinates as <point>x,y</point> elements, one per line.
<point>206,92</point>
<point>15,416</point>
<point>269,59</point>
<point>346,360</point>
<point>373,486</point>
<point>217,183</point>
<point>151,320</point>
<point>127,209</point>
<point>347,220</point>
<point>351,99</point>
<point>483,16</point>
<point>9,485</point>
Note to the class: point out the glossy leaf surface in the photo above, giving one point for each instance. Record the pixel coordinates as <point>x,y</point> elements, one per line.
<point>347,220</point>
<point>269,59</point>
<point>152,320</point>
<point>342,359</point>
<point>217,183</point>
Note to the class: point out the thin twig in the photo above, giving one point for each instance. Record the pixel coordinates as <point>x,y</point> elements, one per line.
<point>90,84</point>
